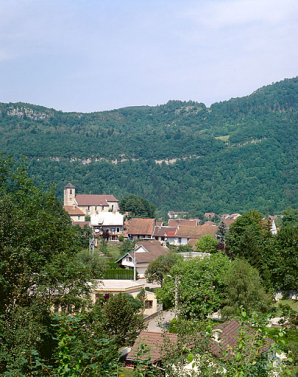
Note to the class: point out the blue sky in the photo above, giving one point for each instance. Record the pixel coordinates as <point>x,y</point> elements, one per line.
<point>93,55</point>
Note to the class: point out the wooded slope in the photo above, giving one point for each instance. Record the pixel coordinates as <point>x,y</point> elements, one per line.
<point>234,156</point>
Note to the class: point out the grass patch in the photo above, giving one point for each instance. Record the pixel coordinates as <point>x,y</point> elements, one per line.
<point>114,250</point>
<point>293,304</point>
<point>223,138</point>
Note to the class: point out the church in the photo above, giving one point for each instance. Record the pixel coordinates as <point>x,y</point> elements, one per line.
<point>81,205</point>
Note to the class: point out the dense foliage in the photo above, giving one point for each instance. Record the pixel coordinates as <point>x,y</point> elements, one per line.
<point>137,207</point>
<point>234,156</point>
<point>48,326</point>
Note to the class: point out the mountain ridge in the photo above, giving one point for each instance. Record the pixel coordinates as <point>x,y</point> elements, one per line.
<point>215,152</point>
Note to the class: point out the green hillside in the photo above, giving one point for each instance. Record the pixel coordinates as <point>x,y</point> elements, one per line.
<point>234,156</point>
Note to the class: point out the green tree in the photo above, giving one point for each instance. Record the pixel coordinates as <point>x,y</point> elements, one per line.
<point>283,259</point>
<point>199,285</point>
<point>243,289</point>
<point>206,244</point>
<point>137,206</point>
<point>161,266</point>
<point>38,272</point>
<point>94,264</point>
<point>124,321</point>
<point>126,247</point>
<point>221,233</point>
<point>290,217</point>
<point>249,238</point>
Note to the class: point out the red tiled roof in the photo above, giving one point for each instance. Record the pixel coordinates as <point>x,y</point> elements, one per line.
<point>228,222</point>
<point>196,232</point>
<point>228,338</point>
<point>154,341</point>
<point>188,222</point>
<point>209,214</point>
<point>73,211</point>
<point>209,223</point>
<point>171,233</point>
<point>141,227</point>
<point>153,250</point>
<point>95,200</point>
<point>192,243</point>
<point>163,231</point>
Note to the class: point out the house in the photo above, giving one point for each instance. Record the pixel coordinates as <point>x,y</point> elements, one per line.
<point>89,204</point>
<point>185,233</point>
<point>188,255</point>
<point>145,252</point>
<point>161,232</point>
<point>141,228</point>
<point>75,213</point>
<point>107,287</point>
<point>174,215</point>
<point>186,222</point>
<point>111,222</point>
<point>209,215</point>
<point>228,222</point>
<point>162,344</point>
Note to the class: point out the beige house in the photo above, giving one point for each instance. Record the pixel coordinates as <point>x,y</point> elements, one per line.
<point>185,233</point>
<point>107,287</point>
<point>89,204</point>
<point>141,228</point>
<point>75,213</point>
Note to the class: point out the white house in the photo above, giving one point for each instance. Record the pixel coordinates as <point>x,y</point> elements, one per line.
<point>145,252</point>
<point>108,221</point>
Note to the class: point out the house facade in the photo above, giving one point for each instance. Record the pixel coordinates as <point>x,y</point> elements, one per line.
<point>108,287</point>
<point>111,222</point>
<point>75,213</point>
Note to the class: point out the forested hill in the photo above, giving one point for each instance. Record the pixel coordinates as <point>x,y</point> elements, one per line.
<point>234,156</point>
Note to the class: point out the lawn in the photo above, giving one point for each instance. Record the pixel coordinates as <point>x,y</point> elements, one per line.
<point>293,304</point>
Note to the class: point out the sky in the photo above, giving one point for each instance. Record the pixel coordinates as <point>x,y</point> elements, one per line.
<point>95,55</point>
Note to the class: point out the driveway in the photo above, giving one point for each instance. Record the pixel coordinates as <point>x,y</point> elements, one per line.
<point>161,322</point>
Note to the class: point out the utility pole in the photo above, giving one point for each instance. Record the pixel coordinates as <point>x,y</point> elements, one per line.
<point>91,243</point>
<point>134,265</point>
<point>176,294</point>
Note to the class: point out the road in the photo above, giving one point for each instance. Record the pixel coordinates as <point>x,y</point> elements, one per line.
<point>161,322</point>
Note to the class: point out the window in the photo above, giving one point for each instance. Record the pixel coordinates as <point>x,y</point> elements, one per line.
<point>70,191</point>
<point>102,208</point>
<point>79,217</point>
<point>148,304</point>
<point>95,208</point>
<point>128,259</point>
<point>118,230</point>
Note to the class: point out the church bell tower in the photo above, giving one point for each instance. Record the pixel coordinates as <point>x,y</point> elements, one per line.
<point>69,194</point>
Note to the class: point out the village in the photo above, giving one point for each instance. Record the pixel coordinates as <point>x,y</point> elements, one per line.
<point>151,240</point>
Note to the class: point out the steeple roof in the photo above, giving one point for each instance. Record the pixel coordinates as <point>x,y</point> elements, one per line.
<point>69,185</point>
